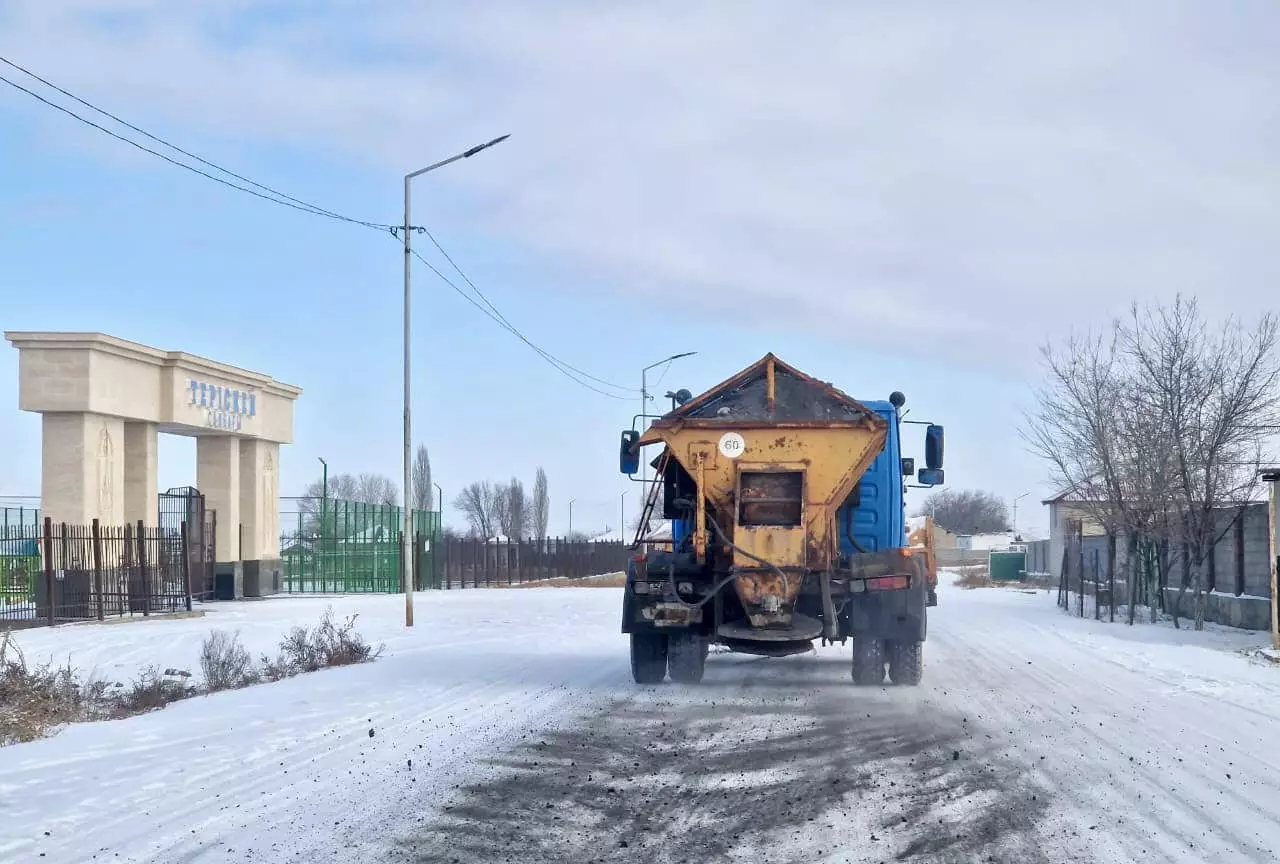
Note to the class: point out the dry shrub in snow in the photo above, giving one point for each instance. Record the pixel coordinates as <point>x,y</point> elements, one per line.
<point>226,663</point>
<point>973,577</point>
<point>327,644</point>
<point>152,689</point>
<point>34,702</point>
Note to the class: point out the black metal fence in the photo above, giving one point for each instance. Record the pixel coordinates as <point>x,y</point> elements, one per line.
<point>466,562</point>
<point>1087,570</point>
<point>54,573</point>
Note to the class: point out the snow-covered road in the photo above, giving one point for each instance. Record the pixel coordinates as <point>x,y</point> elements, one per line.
<point>505,728</point>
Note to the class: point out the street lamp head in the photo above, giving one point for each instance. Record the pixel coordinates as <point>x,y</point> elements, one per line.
<point>476,149</point>
<point>322,462</point>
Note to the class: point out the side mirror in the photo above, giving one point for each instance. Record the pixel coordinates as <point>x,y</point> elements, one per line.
<point>930,477</point>
<point>933,446</point>
<point>908,466</point>
<point>628,457</point>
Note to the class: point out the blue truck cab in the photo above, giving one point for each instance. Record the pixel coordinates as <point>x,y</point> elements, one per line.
<point>875,515</point>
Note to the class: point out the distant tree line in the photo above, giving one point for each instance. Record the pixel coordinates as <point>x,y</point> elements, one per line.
<point>506,509</point>
<point>489,509</point>
<point>967,511</point>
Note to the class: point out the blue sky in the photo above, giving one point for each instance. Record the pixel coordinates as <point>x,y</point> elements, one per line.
<point>907,199</point>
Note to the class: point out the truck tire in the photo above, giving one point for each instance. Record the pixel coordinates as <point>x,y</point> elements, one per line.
<point>906,663</point>
<point>686,657</point>
<point>648,658</point>
<point>868,661</point>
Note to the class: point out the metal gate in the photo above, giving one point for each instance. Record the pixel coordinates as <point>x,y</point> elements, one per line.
<point>186,504</point>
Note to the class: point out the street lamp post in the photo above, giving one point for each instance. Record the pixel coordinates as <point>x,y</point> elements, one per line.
<point>1016,499</point>
<point>407,230</point>
<point>644,407</point>
<point>571,500</point>
<point>324,512</point>
<point>324,489</point>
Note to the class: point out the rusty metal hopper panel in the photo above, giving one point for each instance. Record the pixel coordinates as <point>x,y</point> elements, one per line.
<point>771,416</point>
<point>832,459</point>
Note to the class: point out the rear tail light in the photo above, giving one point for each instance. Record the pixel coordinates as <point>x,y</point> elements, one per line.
<point>888,583</point>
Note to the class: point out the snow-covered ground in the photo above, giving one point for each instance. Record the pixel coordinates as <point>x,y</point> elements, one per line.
<point>505,728</point>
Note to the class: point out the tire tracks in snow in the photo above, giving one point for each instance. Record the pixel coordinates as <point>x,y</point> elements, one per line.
<point>1104,745</point>
<point>776,760</point>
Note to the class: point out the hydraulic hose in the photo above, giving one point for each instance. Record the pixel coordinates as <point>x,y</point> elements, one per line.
<point>685,504</point>
<point>786,583</point>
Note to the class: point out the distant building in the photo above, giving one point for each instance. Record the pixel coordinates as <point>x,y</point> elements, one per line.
<point>1065,507</point>
<point>983,542</point>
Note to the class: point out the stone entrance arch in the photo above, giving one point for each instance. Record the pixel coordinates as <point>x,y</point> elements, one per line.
<point>102,402</point>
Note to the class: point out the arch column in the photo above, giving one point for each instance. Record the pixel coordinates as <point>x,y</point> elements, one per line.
<point>141,441</point>
<point>218,478</point>
<point>82,468</point>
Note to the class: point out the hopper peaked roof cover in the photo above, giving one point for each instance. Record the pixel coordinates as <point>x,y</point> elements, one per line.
<point>796,398</point>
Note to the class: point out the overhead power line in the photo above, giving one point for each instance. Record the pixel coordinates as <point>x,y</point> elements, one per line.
<point>275,196</point>
<point>507,324</point>
<point>564,368</point>
<point>267,194</point>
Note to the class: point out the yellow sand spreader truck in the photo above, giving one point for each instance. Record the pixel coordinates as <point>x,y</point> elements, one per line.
<point>788,524</point>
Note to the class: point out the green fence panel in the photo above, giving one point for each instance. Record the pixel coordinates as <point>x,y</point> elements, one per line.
<point>1007,566</point>
<point>345,547</point>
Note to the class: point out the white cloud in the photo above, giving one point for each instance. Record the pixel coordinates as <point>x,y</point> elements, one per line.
<point>888,170</point>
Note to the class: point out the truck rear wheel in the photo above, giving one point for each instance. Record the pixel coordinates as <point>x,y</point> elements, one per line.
<point>686,657</point>
<point>906,663</point>
<point>648,658</point>
<point>868,661</point>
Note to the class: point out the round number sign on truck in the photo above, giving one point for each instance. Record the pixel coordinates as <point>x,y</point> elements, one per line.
<point>732,445</point>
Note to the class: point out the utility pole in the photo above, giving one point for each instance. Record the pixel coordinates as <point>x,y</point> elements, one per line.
<point>571,500</point>
<point>406,529</point>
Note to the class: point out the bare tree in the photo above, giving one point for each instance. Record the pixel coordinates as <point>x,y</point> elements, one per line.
<point>479,503</point>
<point>1216,395</point>
<point>540,506</point>
<point>422,479</point>
<point>363,488</point>
<point>514,516</point>
<point>634,526</point>
<point>349,501</point>
<point>377,489</point>
<point>1089,429</point>
<point>967,511</point>
<point>1157,426</point>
